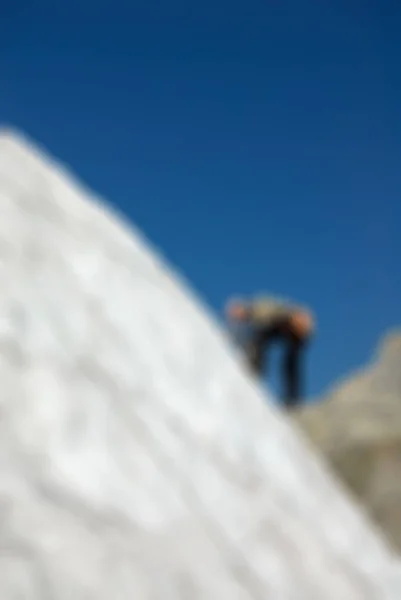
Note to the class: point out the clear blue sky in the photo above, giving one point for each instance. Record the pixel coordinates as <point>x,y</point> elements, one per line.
<point>257,143</point>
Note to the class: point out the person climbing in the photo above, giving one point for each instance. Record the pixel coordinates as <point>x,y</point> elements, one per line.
<point>268,320</point>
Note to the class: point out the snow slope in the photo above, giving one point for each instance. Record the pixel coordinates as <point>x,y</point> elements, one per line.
<point>137,460</point>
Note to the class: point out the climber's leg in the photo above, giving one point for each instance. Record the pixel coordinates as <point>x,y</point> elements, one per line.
<point>293,371</point>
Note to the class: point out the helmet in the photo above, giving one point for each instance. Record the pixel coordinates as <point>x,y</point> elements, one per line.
<point>237,310</point>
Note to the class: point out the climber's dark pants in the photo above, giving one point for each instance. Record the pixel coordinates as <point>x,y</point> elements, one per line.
<point>257,349</point>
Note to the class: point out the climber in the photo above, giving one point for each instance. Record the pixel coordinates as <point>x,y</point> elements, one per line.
<point>267,320</point>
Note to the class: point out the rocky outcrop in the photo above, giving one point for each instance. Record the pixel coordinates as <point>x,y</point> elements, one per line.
<point>358,428</point>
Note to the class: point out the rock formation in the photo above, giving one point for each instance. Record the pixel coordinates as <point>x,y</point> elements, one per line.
<point>137,459</point>
<point>358,428</point>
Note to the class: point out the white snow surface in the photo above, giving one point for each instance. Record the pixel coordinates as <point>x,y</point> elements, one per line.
<point>138,461</point>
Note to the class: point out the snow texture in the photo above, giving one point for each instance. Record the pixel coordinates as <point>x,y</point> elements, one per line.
<point>138,461</point>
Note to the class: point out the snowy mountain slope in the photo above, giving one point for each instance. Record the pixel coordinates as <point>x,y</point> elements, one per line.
<point>137,460</point>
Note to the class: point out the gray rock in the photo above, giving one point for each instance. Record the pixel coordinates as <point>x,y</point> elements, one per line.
<point>358,428</point>
<point>137,459</point>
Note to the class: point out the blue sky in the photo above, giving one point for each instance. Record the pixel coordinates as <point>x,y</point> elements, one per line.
<point>258,144</point>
